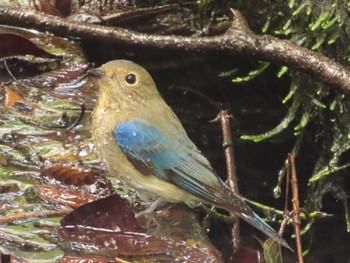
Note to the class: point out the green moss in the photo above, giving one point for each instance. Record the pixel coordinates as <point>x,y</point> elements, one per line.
<point>322,26</point>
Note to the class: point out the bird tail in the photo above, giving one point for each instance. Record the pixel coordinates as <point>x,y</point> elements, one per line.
<point>237,205</point>
<point>254,220</point>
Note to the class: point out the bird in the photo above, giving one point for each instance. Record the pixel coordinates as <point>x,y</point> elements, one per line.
<point>143,143</point>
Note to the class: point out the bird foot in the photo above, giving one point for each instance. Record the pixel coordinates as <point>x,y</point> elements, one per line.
<point>146,217</point>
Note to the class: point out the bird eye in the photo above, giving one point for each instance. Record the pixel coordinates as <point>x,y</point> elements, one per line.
<point>130,78</point>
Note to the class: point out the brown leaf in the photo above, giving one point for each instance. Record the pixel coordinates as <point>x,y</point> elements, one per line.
<point>12,44</point>
<point>108,227</point>
<point>9,188</point>
<point>44,61</point>
<point>110,213</point>
<point>70,175</point>
<point>13,99</point>
<point>63,195</point>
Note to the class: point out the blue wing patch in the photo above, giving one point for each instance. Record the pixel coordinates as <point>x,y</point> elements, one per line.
<point>170,159</point>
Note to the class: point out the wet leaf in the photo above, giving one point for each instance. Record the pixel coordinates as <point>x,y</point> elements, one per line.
<point>63,195</point>
<point>8,188</point>
<point>25,242</point>
<point>10,153</point>
<point>67,152</point>
<point>16,45</point>
<point>18,127</point>
<point>54,113</point>
<point>57,62</point>
<point>105,214</point>
<point>108,227</point>
<point>70,175</point>
<point>13,98</point>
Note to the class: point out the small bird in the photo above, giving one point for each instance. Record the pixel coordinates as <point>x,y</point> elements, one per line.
<point>143,143</point>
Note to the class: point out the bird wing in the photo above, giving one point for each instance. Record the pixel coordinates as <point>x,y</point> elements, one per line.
<point>178,161</point>
<point>172,159</point>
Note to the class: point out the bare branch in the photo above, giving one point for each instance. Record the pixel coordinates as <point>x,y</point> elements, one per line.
<point>225,119</point>
<point>296,207</point>
<point>238,39</point>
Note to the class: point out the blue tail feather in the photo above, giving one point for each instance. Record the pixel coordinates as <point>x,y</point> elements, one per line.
<point>258,223</point>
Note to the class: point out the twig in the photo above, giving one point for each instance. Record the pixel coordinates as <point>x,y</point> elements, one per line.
<point>11,218</point>
<point>78,120</point>
<point>135,15</point>
<point>9,71</point>
<point>238,39</point>
<point>286,213</point>
<point>218,216</point>
<point>224,117</point>
<point>286,217</point>
<point>304,215</point>
<point>296,208</point>
<point>286,196</point>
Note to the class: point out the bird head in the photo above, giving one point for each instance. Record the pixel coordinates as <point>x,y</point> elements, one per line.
<point>125,82</point>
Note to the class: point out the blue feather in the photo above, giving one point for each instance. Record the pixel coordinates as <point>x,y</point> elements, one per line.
<point>169,158</point>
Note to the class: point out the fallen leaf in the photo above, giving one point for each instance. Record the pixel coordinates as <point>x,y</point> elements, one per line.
<point>63,195</point>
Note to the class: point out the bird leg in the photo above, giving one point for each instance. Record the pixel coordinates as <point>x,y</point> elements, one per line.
<point>146,217</point>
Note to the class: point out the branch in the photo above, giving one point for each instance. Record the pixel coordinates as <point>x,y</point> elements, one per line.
<point>238,39</point>
<point>27,215</point>
<point>296,208</point>
<point>225,119</point>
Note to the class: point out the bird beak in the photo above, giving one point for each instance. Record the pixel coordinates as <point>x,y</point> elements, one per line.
<point>95,72</point>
